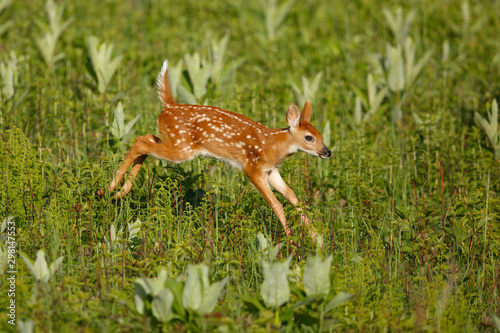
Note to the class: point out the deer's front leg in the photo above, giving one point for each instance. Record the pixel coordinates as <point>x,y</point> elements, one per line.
<point>279,184</point>
<point>258,179</point>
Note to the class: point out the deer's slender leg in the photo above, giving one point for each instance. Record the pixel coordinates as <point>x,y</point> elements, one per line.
<point>258,179</point>
<point>144,146</point>
<point>279,184</point>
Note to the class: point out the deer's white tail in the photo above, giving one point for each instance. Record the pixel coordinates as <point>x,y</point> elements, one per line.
<point>163,85</point>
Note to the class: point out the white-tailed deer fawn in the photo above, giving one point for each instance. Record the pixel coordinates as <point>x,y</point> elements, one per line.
<point>187,131</point>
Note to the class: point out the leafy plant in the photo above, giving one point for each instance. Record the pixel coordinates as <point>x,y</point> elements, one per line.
<point>40,270</point>
<point>408,216</point>
<point>201,71</point>
<point>308,91</point>
<point>199,74</point>
<point>274,16</point>
<point>122,132</point>
<point>317,282</point>
<point>146,294</point>
<point>193,86</point>
<point>274,289</point>
<point>221,73</point>
<point>166,299</point>
<point>162,305</point>
<point>399,69</point>
<point>316,276</point>
<point>267,250</point>
<point>134,233</point>
<point>372,101</point>
<point>104,65</point>
<point>7,24</point>
<point>26,326</point>
<point>199,295</point>
<point>9,73</point>
<point>490,126</point>
<point>113,239</point>
<point>51,33</point>
<point>468,26</point>
<point>399,24</point>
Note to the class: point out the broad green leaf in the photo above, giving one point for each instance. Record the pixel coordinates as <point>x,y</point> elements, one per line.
<point>26,326</point>
<point>51,33</point>
<point>193,289</point>
<point>211,295</point>
<point>299,97</point>
<point>39,269</point>
<point>186,95</point>
<point>317,276</point>
<point>274,16</point>
<point>496,322</point>
<point>3,258</point>
<point>7,72</point>
<point>102,62</point>
<point>314,86</point>
<point>218,50</point>
<point>118,128</point>
<point>308,91</point>
<point>54,267</point>
<point>198,294</point>
<point>327,133</point>
<point>262,242</point>
<point>4,223</point>
<point>134,229</point>
<point>341,298</point>
<point>398,23</point>
<point>307,300</point>
<point>4,4</point>
<point>198,74</point>
<point>176,287</point>
<point>396,78</point>
<point>274,289</point>
<point>128,132</point>
<point>375,104</point>
<point>161,305</point>
<point>140,295</point>
<point>156,285</point>
<point>153,286</point>
<point>266,248</point>
<point>118,125</point>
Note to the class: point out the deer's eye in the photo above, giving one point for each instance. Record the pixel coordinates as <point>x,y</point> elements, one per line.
<point>308,138</point>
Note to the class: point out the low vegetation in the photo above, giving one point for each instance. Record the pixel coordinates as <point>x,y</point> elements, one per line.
<point>408,207</point>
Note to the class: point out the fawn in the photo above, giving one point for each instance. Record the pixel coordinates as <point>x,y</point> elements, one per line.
<point>187,131</point>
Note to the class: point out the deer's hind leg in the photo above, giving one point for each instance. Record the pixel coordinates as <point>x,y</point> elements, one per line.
<point>142,147</point>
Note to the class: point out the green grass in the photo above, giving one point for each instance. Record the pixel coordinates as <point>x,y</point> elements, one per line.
<point>409,210</point>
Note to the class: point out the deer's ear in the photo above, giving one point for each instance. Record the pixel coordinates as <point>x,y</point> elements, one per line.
<point>306,112</point>
<point>293,115</point>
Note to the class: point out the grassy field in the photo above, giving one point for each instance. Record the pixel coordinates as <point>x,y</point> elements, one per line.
<point>408,205</point>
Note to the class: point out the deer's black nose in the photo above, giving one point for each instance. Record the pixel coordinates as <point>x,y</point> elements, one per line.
<point>325,153</point>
